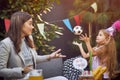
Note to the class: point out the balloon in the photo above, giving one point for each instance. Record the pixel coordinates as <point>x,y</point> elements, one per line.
<point>116,25</point>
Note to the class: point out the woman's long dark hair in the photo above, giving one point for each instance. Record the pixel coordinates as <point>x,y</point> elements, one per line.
<point>14,33</point>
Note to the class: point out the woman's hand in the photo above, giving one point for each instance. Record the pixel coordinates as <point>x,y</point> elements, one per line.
<point>27,68</point>
<point>84,38</point>
<point>56,54</point>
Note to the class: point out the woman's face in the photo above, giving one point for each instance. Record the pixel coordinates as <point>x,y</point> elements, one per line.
<point>100,39</point>
<point>27,28</point>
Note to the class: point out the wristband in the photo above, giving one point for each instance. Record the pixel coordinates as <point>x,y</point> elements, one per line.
<point>23,71</point>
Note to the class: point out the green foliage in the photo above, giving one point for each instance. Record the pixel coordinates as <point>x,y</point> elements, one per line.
<point>108,11</point>
<point>102,19</point>
<point>50,33</point>
<point>79,6</point>
<point>88,17</point>
<point>36,8</point>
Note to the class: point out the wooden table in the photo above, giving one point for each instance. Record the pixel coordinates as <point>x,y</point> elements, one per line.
<point>86,78</point>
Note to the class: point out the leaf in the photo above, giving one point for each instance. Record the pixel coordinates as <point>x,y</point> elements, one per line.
<point>102,19</point>
<point>88,17</point>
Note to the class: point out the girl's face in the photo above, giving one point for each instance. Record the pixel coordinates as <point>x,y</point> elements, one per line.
<point>27,28</point>
<point>100,39</point>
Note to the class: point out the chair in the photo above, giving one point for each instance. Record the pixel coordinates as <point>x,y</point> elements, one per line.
<point>51,68</point>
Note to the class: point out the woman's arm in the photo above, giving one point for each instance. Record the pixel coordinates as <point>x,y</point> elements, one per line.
<point>55,54</point>
<point>15,72</point>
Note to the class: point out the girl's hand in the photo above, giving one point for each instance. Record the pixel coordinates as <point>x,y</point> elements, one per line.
<point>76,43</point>
<point>56,54</point>
<point>84,38</point>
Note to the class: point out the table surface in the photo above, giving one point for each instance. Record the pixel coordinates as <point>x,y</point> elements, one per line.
<point>86,78</point>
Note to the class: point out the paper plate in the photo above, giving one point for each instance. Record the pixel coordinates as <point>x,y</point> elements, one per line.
<point>80,63</point>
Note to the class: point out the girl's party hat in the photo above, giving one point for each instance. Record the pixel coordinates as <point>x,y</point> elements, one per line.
<point>115,26</point>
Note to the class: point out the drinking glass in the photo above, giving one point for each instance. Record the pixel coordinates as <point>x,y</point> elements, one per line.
<point>36,75</point>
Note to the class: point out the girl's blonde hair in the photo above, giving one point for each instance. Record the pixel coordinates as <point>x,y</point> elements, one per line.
<point>108,55</point>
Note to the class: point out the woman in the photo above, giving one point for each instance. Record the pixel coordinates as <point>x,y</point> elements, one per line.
<point>17,50</point>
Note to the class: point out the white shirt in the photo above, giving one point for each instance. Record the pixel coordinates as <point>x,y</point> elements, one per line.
<point>96,63</point>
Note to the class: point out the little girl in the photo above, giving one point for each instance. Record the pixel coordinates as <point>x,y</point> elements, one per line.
<point>104,53</point>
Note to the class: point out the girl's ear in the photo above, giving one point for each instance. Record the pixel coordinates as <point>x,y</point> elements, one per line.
<point>108,39</point>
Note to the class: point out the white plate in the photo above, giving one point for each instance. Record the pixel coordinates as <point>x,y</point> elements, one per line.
<point>80,63</point>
